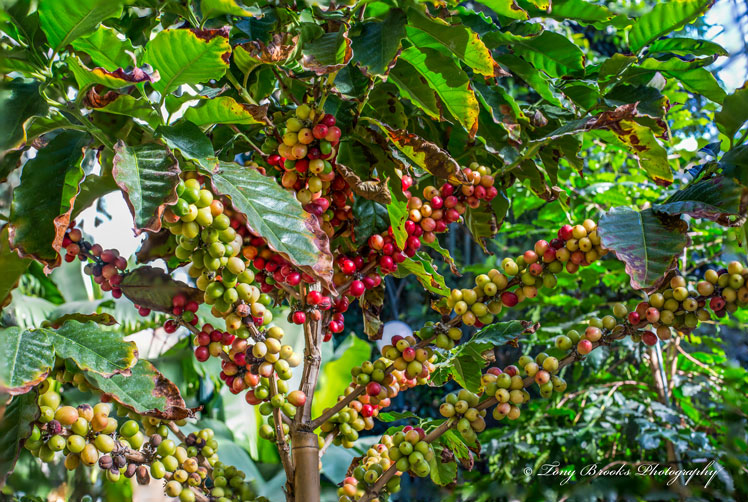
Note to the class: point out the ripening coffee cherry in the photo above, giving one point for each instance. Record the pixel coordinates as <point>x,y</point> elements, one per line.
<point>584,347</point>
<point>649,338</point>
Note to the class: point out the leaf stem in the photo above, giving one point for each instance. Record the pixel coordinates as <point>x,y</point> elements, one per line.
<point>241,90</point>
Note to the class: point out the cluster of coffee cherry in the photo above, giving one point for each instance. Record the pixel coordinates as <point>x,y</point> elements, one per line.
<point>207,237</point>
<point>407,449</point>
<point>305,157</point>
<point>682,306</point>
<point>90,436</point>
<point>462,405</point>
<point>106,264</point>
<point>446,204</point>
<point>404,364</point>
<point>520,278</point>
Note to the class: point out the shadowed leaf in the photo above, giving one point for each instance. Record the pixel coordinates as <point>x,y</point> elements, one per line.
<point>648,245</point>
<point>19,101</point>
<point>715,199</point>
<point>38,224</point>
<point>376,47</point>
<point>16,423</point>
<point>328,53</point>
<point>148,175</point>
<point>734,112</point>
<point>12,266</point>
<point>153,288</point>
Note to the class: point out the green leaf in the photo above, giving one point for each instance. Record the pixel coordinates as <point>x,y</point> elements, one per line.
<point>116,79</point>
<point>665,17</point>
<point>685,47</point>
<point>700,81</point>
<point>274,214</point>
<point>16,424</point>
<point>734,164</point>
<point>38,224</point>
<point>94,348</point>
<point>612,67</point>
<point>442,473</point>
<point>372,218</point>
<point>481,223</point>
<point>27,358</point>
<point>191,142</point>
<point>12,265</point>
<point>421,265</point>
<point>497,334</point>
<point>397,211</point>
<point>188,56</point>
<point>19,101</point>
<point>580,10</point>
<point>549,52</point>
<point>146,392</point>
<point>376,47</point>
<point>225,110</point>
<point>148,176</point>
<point>506,8</point>
<point>734,112</point>
<point>531,76</point>
<point>648,245</point>
<point>130,106</point>
<point>458,39</point>
<point>715,199</point>
<point>415,88</point>
<point>393,416</point>
<point>335,374</point>
<point>63,21</point>
<point>673,64</point>
<point>449,82</point>
<point>106,49</point>
<point>153,288</point>
<point>215,8</point>
<point>328,53</point>
<point>651,156</point>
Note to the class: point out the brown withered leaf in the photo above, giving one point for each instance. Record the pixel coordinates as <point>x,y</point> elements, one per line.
<point>146,392</point>
<point>209,35</point>
<point>95,100</point>
<point>280,47</point>
<point>372,189</point>
<point>371,306</point>
<point>425,154</point>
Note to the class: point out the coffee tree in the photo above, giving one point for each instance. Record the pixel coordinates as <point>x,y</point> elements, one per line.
<point>283,160</point>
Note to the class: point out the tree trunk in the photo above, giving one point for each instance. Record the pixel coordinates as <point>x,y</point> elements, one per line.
<point>306,461</point>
